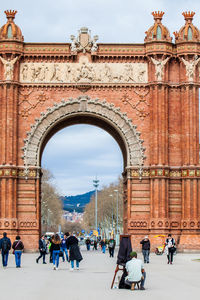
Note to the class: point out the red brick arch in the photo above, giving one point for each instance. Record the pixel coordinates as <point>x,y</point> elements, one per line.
<point>152,86</point>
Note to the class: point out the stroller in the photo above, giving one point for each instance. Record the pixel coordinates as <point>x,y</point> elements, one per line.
<point>160,249</point>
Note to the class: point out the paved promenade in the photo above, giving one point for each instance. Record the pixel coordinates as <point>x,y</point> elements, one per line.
<point>37,281</point>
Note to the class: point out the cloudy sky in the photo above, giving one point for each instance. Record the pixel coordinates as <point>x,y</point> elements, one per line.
<point>78,153</point>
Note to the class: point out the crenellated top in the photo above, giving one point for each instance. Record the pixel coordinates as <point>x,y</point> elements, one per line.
<point>188,32</point>
<point>157,32</point>
<point>10,31</point>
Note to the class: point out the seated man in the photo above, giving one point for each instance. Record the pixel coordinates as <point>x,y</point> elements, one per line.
<point>135,271</point>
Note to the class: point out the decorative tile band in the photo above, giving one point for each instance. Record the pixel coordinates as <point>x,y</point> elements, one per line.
<point>8,172</point>
<point>189,173</point>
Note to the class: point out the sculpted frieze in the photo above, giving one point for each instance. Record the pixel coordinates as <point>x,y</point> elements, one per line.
<point>83,72</point>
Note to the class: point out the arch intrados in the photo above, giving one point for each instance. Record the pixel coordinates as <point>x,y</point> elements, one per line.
<point>90,120</point>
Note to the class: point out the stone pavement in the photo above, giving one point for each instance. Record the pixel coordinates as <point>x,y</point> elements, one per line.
<point>37,281</point>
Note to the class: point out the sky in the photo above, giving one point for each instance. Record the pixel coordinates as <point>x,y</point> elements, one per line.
<point>73,162</point>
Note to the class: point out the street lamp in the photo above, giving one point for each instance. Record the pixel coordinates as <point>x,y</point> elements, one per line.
<point>117,235</point>
<point>96,184</point>
<point>112,210</point>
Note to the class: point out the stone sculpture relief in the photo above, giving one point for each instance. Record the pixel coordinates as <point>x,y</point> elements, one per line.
<point>190,67</point>
<point>8,67</point>
<point>159,66</point>
<point>83,73</point>
<point>84,42</point>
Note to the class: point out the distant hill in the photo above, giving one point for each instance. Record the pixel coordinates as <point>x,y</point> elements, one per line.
<point>77,203</point>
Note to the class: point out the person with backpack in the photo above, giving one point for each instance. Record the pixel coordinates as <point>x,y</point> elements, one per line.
<point>74,253</point>
<point>5,246</point>
<point>170,248</point>
<point>111,246</point>
<point>18,247</point>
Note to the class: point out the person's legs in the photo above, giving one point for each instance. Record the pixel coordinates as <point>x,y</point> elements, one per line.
<point>6,259</point>
<point>144,255</point>
<point>72,264</point>
<point>143,280</point>
<point>54,257</point>
<point>112,252</point>
<point>19,258</point>
<point>66,253</point>
<point>37,260</point>
<point>147,255</point>
<point>104,249</point>
<point>168,257</point>
<point>77,264</point>
<point>63,252</point>
<point>109,251</point>
<point>43,256</point>
<point>57,259</point>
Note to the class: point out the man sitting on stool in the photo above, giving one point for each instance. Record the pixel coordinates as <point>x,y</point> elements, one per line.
<point>136,272</point>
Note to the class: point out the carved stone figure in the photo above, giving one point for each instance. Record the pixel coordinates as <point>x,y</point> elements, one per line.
<point>56,74</point>
<point>85,73</point>
<point>25,71</point>
<point>159,65</point>
<point>94,44</point>
<point>43,72</point>
<point>8,67</point>
<point>190,67</point>
<point>128,73</point>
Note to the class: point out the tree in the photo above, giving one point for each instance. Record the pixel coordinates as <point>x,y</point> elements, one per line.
<point>51,204</point>
<point>107,208</point>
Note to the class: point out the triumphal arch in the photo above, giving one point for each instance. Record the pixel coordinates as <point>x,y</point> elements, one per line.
<point>145,95</point>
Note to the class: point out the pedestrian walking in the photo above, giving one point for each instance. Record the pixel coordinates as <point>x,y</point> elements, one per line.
<point>146,248</point>
<point>95,245</point>
<point>111,246</point>
<point>55,248</point>
<point>103,245</point>
<point>42,249</point>
<point>74,251</point>
<point>64,248</point>
<point>5,246</point>
<point>170,248</point>
<point>88,243</point>
<point>18,247</point>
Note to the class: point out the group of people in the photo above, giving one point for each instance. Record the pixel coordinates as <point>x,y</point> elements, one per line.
<point>66,248</point>
<point>6,245</point>
<point>103,243</point>
<point>134,272</point>
<point>169,248</point>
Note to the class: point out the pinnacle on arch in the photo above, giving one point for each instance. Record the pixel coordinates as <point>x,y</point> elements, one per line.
<point>10,14</point>
<point>188,15</point>
<point>158,15</point>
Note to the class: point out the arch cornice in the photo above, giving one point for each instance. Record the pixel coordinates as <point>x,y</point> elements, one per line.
<point>84,106</point>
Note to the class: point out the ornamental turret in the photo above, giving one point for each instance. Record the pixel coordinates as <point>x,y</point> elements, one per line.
<point>157,32</point>
<point>10,31</point>
<point>189,32</point>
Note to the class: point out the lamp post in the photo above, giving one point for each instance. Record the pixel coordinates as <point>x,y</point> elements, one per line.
<point>117,235</point>
<point>96,184</point>
<point>112,210</point>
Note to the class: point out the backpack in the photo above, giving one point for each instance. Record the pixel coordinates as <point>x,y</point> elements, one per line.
<point>5,246</point>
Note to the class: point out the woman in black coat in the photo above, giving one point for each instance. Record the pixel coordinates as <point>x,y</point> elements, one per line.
<point>74,251</point>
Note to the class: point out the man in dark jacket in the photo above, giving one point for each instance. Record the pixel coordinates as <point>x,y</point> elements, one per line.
<point>5,246</point>
<point>145,248</point>
<point>42,249</point>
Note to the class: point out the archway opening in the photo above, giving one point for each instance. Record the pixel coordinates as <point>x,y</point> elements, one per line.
<point>75,151</point>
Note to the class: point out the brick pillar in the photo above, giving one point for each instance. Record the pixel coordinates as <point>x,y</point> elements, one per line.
<point>8,158</point>
<point>190,160</point>
<point>159,158</point>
